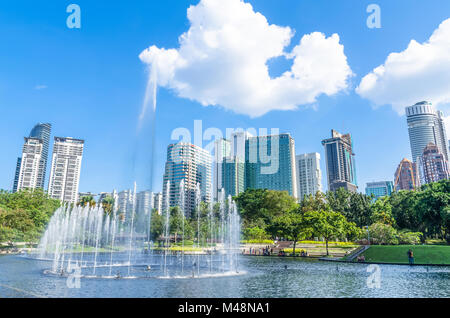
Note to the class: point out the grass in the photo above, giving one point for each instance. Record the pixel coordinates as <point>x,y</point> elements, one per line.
<point>423,254</point>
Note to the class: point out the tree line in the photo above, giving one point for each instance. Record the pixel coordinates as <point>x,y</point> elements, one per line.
<point>405,217</point>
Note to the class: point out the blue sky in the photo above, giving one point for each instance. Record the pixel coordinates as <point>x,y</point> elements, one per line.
<point>92,82</point>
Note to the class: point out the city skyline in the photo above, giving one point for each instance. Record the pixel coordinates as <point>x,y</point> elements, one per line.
<point>108,118</point>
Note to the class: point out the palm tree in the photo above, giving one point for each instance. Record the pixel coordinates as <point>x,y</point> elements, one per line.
<point>87,200</point>
<point>107,204</point>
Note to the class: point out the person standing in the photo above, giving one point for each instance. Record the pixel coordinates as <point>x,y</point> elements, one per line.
<point>411,257</point>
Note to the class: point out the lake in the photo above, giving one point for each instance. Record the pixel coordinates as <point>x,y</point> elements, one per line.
<point>259,277</point>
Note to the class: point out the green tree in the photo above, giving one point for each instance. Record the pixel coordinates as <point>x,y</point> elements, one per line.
<point>327,224</point>
<point>291,226</point>
<point>382,212</point>
<point>87,200</point>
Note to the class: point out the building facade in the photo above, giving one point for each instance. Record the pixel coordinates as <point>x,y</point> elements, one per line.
<point>233,176</point>
<point>192,164</point>
<point>65,169</point>
<point>270,163</point>
<point>158,202</point>
<point>379,189</point>
<point>340,162</point>
<point>28,170</point>
<point>433,164</point>
<point>426,125</point>
<point>222,150</point>
<point>41,132</point>
<point>309,175</point>
<point>144,202</point>
<point>406,176</point>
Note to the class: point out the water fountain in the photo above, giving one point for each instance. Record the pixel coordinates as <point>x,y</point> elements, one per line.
<point>114,246</point>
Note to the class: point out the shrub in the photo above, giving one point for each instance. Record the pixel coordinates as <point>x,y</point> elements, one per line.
<point>409,238</point>
<point>383,234</point>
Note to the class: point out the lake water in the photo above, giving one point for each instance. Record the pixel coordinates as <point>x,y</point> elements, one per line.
<point>264,277</point>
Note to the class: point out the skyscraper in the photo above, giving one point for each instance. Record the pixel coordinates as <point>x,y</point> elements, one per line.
<point>233,176</point>
<point>406,176</point>
<point>340,162</point>
<point>66,169</point>
<point>42,131</point>
<point>309,176</point>
<point>379,189</point>
<point>157,202</point>
<point>270,163</point>
<point>193,165</point>
<point>144,202</point>
<point>229,165</point>
<point>433,164</point>
<point>222,150</point>
<point>29,165</point>
<point>425,126</point>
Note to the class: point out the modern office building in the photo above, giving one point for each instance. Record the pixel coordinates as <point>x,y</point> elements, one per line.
<point>125,202</point>
<point>433,164</point>
<point>340,162</point>
<point>270,163</point>
<point>192,164</point>
<point>230,155</point>
<point>309,175</point>
<point>379,189</point>
<point>406,176</point>
<point>222,150</point>
<point>28,170</point>
<point>157,202</point>
<point>144,202</point>
<point>233,176</point>
<point>426,125</point>
<point>65,169</point>
<point>42,132</point>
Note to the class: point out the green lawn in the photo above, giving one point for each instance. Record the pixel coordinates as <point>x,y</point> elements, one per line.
<point>423,254</point>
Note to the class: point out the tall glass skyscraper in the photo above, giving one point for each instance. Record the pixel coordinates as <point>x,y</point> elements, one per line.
<point>340,162</point>
<point>426,125</point>
<point>41,132</point>
<point>270,163</point>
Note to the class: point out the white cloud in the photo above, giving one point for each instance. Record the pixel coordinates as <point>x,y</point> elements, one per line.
<point>40,87</point>
<point>222,61</point>
<point>421,72</point>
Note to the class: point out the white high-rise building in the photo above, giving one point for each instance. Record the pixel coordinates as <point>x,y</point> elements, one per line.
<point>29,166</point>
<point>192,164</point>
<point>125,202</point>
<point>309,175</point>
<point>426,125</point>
<point>144,202</point>
<point>157,202</point>
<point>66,168</point>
